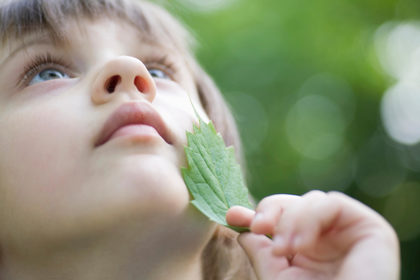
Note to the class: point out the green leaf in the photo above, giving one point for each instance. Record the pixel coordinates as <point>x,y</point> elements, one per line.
<point>213,176</point>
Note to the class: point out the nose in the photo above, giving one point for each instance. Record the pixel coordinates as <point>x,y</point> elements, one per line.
<point>123,75</point>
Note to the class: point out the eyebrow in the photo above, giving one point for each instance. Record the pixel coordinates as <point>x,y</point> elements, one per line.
<point>38,39</point>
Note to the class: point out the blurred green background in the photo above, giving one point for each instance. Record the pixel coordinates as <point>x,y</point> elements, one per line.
<point>326,96</point>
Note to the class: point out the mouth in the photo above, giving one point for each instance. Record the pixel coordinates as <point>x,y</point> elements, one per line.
<point>134,118</point>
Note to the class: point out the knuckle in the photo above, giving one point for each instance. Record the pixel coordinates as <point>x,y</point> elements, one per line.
<point>315,194</point>
<point>268,201</point>
<point>336,194</point>
<point>275,201</point>
<point>339,197</point>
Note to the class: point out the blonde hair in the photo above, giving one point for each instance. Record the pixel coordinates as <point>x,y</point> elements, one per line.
<point>222,258</point>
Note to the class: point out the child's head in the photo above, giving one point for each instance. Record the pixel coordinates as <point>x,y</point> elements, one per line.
<point>20,18</point>
<point>71,73</point>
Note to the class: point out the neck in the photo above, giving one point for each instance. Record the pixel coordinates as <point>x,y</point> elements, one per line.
<point>130,252</point>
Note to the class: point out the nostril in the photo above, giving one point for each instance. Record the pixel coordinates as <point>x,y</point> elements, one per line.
<point>141,84</point>
<point>112,83</point>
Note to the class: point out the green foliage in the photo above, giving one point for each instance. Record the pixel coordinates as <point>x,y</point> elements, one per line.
<point>271,58</point>
<point>213,176</point>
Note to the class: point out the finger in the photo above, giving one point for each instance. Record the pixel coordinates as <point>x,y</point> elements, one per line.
<point>269,211</point>
<point>239,216</point>
<point>317,216</point>
<point>302,223</point>
<point>259,251</point>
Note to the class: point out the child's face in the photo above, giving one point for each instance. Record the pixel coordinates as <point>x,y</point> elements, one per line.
<point>57,178</point>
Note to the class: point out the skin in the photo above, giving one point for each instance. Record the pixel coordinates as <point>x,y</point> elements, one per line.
<point>317,236</point>
<point>70,210</point>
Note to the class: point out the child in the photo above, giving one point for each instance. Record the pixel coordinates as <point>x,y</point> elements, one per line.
<point>94,105</point>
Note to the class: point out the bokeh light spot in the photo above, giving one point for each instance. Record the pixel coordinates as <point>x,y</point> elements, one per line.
<point>335,89</point>
<point>396,43</point>
<point>398,48</point>
<point>315,127</point>
<point>335,173</point>
<point>401,113</point>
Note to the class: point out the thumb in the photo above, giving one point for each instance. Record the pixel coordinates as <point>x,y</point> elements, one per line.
<point>259,250</point>
<point>239,216</point>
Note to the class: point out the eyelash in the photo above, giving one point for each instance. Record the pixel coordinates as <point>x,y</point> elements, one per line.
<point>162,63</point>
<point>45,61</point>
<point>42,62</point>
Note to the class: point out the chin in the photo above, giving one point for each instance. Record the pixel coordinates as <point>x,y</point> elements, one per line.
<point>116,193</point>
<point>156,182</point>
<point>139,186</point>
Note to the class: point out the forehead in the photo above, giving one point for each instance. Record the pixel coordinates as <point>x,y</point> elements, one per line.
<point>22,18</point>
<point>87,38</point>
<point>80,34</point>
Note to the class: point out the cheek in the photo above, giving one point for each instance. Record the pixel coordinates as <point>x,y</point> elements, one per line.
<point>41,162</point>
<point>38,149</point>
<point>179,111</point>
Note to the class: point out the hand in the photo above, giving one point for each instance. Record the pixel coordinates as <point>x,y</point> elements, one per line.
<point>317,236</point>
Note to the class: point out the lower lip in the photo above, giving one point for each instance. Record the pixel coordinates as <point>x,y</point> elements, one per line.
<point>137,131</point>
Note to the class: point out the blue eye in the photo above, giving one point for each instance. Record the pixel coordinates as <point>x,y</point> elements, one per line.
<point>156,73</point>
<point>48,74</point>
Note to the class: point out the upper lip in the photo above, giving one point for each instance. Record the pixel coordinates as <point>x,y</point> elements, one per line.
<point>133,113</point>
